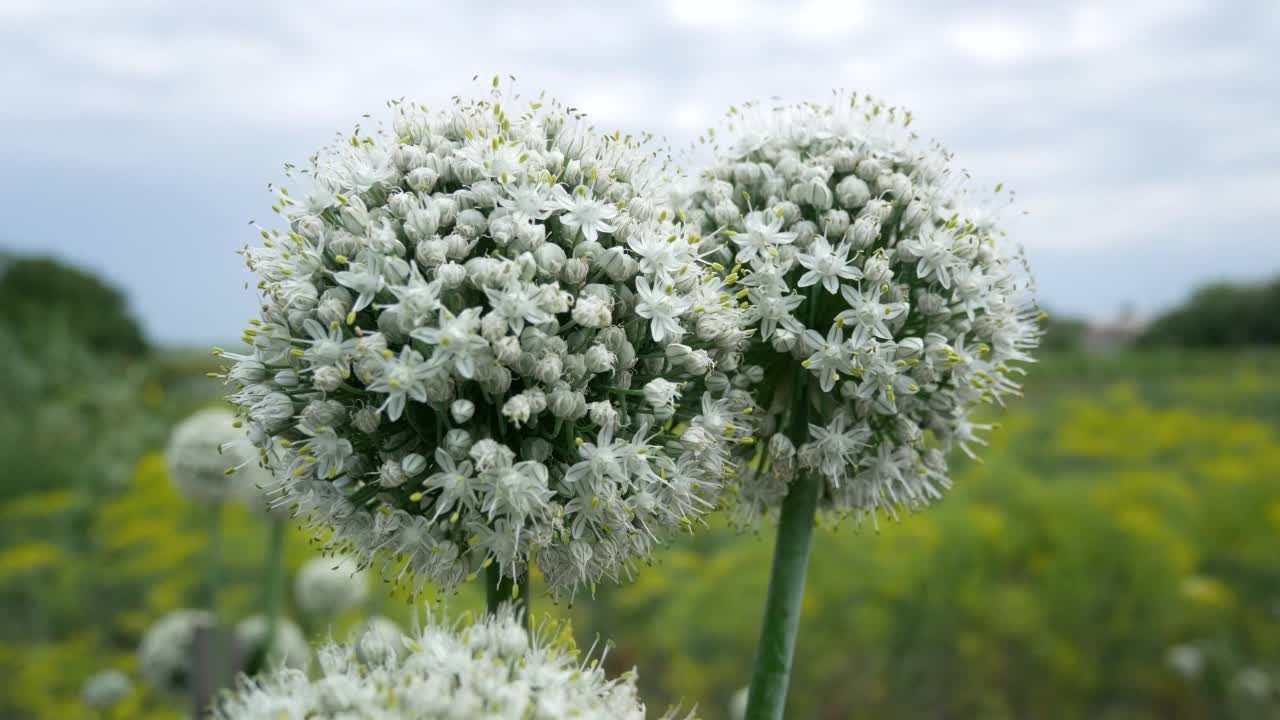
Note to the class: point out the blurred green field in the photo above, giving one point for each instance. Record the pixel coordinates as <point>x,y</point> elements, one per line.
<point>1127,506</point>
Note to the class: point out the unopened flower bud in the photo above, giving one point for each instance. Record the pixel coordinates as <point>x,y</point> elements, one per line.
<point>909,348</point>
<point>698,363</point>
<point>603,415</point>
<point>391,474</point>
<point>457,247</point>
<point>550,259</point>
<point>471,224</point>
<point>835,223</point>
<point>790,211</point>
<point>626,356</point>
<point>506,349</point>
<point>852,193</point>
<point>725,213</point>
<point>781,448</point>
<point>677,353</point>
<point>574,271</point>
<point>499,383</point>
<point>844,160</point>
<point>813,192</point>
<point>575,367</point>
<point>366,419</point>
<point>599,359</point>
<point>413,464</point>
<point>461,410</point>
<point>612,338</point>
<point>422,179</point>
<point>273,411</point>
<point>327,378</point>
<point>457,442</point>
<point>906,432</point>
<point>567,404</point>
<point>870,169</point>
<point>430,253</point>
<point>334,305</point>
<point>286,378</point>
<point>493,327</point>
<point>864,232</point>
<point>717,382</point>
<point>588,250</point>
<point>451,275</point>
<point>548,369</point>
<point>591,312</point>
<point>324,413</point>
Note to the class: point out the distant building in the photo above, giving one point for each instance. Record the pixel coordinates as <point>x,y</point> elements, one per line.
<point>1112,335</point>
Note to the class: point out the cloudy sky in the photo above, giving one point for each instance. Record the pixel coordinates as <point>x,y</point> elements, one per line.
<point>1142,138</point>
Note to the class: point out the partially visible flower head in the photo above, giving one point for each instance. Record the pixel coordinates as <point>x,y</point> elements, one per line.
<point>1187,660</point>
<point>1254,683</point>
<point>738,704</point>
<point>209,459</point>
<point>329,586</point>
<point>289,649</point>
<point>105,689</point>
<point>167,651</point>
<point>378,640</point>
<point>871,270</point>
<point>464,310</point>
<point>257,485</point>
<point>491,669</point>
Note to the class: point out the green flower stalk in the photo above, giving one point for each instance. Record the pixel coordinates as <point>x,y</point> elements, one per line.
<point>218,651</point>
<point>274,579</point>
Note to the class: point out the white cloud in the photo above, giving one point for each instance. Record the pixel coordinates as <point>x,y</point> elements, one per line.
<point>1098,25</point>
<point>1148,215</point>
<point>810,21</point>
<point>997,41</point>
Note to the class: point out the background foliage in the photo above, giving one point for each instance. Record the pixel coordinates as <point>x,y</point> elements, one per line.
<point>1222,315</point>
<point>39,292</point>
<point>1127,505</point>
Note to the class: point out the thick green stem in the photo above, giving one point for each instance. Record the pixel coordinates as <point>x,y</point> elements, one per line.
<point>273,584</point>
<point>217,638</point>
<point>768,695</point>
<point>767,698</point>
<point>502,589</point>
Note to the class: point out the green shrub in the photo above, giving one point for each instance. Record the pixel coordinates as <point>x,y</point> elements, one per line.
<point>38,292</point>
<point>1221,315</point>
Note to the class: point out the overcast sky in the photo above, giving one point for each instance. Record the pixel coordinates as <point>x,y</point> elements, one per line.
<point>1142,138</point>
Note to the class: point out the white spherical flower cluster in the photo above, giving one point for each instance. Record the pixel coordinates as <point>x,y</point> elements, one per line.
<point>167,650</point>
<point>492,669</point>
<point>289,649</point>
<point>482,341</point>
<point>889,304</point>
<point>326,587</point>
<point>208,458</point>
<point>105,689</point>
